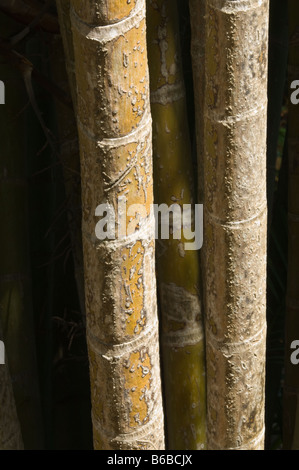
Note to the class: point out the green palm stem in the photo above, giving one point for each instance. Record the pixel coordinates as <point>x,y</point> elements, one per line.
<point>178,270</point>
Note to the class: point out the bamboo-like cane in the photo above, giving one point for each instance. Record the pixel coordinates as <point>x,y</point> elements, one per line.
<point>178,269</point>
<point>235,213</point>
<point>114,126</point>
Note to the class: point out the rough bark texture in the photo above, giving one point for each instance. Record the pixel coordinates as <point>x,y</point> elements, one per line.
<point>114,125</point>
<point>10,432</point>
<point>178,270</point>
<point>235,220</point>
<point>291,385</point>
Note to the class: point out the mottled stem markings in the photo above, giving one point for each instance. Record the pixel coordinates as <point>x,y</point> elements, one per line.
<point>178,270</point>
<point>235,110</point>
<point>114,126</point>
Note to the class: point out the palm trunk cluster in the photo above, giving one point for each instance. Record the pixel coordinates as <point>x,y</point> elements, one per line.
<point>128,137</point>
<point>114,124</point>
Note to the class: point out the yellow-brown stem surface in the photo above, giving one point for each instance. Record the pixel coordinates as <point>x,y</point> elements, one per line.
<point>114,124</point>
<point>235,220</point>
